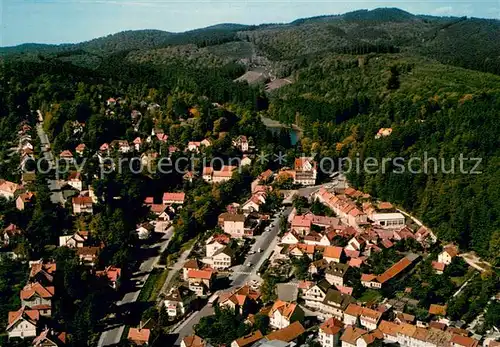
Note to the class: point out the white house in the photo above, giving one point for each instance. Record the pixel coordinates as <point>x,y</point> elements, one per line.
<point>447,255</point>
<point>316,294</point>
<point>23,323</point>
<point>177,301</point>
<point>283,313</point>
<point>329,333</point>
<point>144,231</point>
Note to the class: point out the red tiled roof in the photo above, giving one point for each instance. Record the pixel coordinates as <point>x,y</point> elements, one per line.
<point>66,154</point>
<point>438,266</point>
<point>464,341</point>
<point>200,274</point>
<point>287,334</point>
<point>437,309</point>
<point>140,336</point>
<point>36,288</point>
<point>331,326</point>
<point>179,197</point>
<point>333,252</point>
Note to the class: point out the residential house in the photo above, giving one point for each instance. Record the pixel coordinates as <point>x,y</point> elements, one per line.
<point>313,238</point>
<point>315,295</point>
<point>177,301</point>
<point>383,132</point>
<point>389,330</point>
<point>206,142</point>
<point>194,146</point>
<point>334,254</point>
<point>351,336</point>
<point>437,310</point>
<point>193,341</point>
<point>329,332</point>
<point>335,273</point>
<point>189,176</point>
<point>458,340</point>
<point>82,204</point>
<point>7,189</point>
<point>37,297</point>
<point>137,143</point>
<point>49,338</point>
<point>27,178</point>
<point>290,238</point>
<point>42,272</point>
<point>144,231</point>
<point>113,275</point>
<point>121,145</point>
<point>75,180</point>
<point>238,225</point>
<point>438,267</point>
<point>222,175</point>
<point>253,204</point>
<point>67,156</point>
<point>191,264</point>
<point>23,323</point>
<point>241,143</point>
<point>248,340</point>
<point>223,258</point>
<point>447,255</point>
<point>11,232</point>
<point>335,303</point>
<point>174,198</point>
<point>305,171</point>
<point>215,243</point>
<point>356,315</point>
<point>88,255</point>
<point>24,200</point>
<point>246,161</point>
<point>139,336</point>
<point>318,267</point>
<point>77,240</point>
<point>287,334</point>
<point>283,313</point>
<point>301,225</point>
<point>207,174</point>
<point>240,300</point>
<point>80,149</point>
<point>201,281</point>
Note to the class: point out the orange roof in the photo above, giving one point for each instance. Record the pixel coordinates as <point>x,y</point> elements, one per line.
<point>8,186</point>
<point>285,308</point>
<point>437,309</point>
<point>192,264</point>
<point>249,339</point>
<point>208,170</point>
<point>111,272</point>
<point>332,326</point>
<point>193,341</point>
<point>82,200</point>
<point>179,197</point>
<point>24,312</point>
<point>66,154</point>
<point>353,310</point>
<point>352,334</point>
<point>140,336</point>
<point>394,270</point>
<point>36,288</point>
<point>407,329</point>
<point>388,328</point>
<point>464,341</point>
<point>265,175</point>
<point>301,221</point>
<point>451,250</point>
<point>49,268</point>
<point>287,334</point>
<point>368,277</point>
<point>385,205</point>
<point>333,252</point>
<point>200,274</point>
<point>438,266</point>
<point>81,147</point>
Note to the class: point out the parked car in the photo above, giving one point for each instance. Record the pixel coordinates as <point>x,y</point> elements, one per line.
<point>259,250</point>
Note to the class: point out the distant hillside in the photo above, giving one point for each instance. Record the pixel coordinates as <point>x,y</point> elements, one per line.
<point>471,43</point>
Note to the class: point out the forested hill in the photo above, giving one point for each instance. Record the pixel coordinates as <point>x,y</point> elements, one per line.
<point>465,42</point>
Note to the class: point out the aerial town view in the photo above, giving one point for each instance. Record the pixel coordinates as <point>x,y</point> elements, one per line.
<point>324,174</point>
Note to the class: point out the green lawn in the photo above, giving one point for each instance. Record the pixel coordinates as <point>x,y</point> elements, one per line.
<point>370,295</point>
<point>153,285</point>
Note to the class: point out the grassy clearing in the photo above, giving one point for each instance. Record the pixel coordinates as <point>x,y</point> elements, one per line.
<point>370,296</point>
<point>153,285</point>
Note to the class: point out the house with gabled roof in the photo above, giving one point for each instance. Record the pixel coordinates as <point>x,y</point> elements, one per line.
<point>191,264</point>
<point>36,295</point>
<point>42,272</point>
<point>139,336</point>
<point>88,255</point>
<point>223,258</point>
<point>329,332</point>
<point>144,231</point>
<point>335,303</point>
<point>446,256</point>
<point>7,189</point>
<point>50,338</point>
<point>283,313</point>
<point>177,301</point>
<point>80,149</point>
<point>174,198</point>
<point>77,240</point>
<point>10,233</point>
<point>290,238</point>
<point>112,274</point>
<point>316,294</point>
<point>201,281</point>
<point>334,254</point>
<point>23,323</point>
<point>241,142</point>
<point>24,200</point>
<point>82,204</point>
<point>240,299</point>
<point>247,340</point>
<point>335,273</point>
<point>358,315</point>
<point>301,225</point>
<point>287,334</point>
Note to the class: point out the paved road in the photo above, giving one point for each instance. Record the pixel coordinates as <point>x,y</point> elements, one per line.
<point>113,335</point>
<point>56,195</point>
<point>242,274</point>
